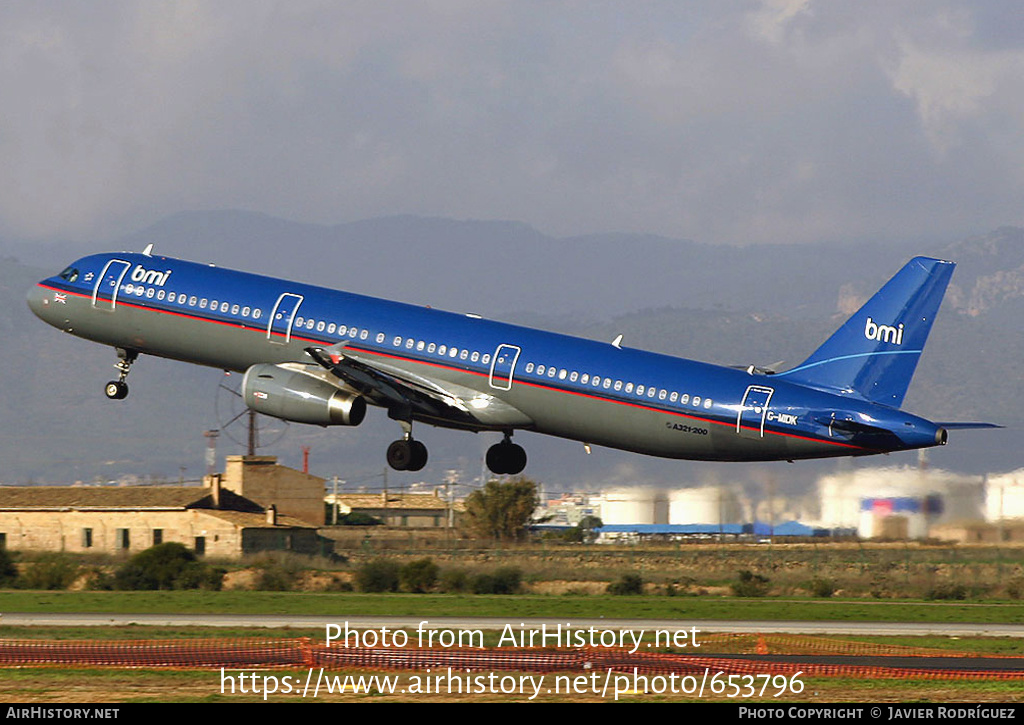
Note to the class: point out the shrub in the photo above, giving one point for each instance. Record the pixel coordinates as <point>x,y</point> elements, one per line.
<point>823,587</point>
<point>454,581</point>
<point>750,585</point>
<point>418,576</point>
<point>167,566</point>
<point>276,573</point>
<point>358,518</point>
<point>379,575</point>
<point>627,584</point>
<point>506,580</point>
<point>947,591</point>
<point>50,571</point>
<point>8,571</point>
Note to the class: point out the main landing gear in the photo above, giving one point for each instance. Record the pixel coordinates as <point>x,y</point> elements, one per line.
<point>407,454</point>
<point>506,457</point>
<point>118,389</point>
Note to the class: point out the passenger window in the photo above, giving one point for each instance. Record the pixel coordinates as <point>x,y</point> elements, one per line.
<point>529,367</point>
<point>454,352</point>
<point>224,306</point>
<point>674,397</point>
<point>364,334</point>
<point>202,303</point>
<point>486,359</point>
<point>342,329</point>
<point>170,297</point>
<point>150,293</point>
<point>629,387</point>
<point>607,383</point>
<point>595,381</point>
<point>685,400</point>
<point>707,403</point>
<point>246,311</point>
<point>696,401</point>
<point>409,344</point>
<point>352,332</point>
<point>585,378</point>
<point>651,391</point>
<point>463,354</point>
<point>331,328</point>
<point>574,376</point>
<point>474,357</point>
<point>397,342</point>
<point>420,345</point>
<point>540,369</point>
<point>160,295</point>
<point>234,309</point>
<point>618,385</point>
<point>213,305</point>
<point>309,325</point>
<point>639,389</point>
<point>442,349</point>
<point>380,337</point>
<point>562,373</point>
<point>431,347</point>
<point>551,371</point>
<point>257,313</point>
<point>320,326</point>
<point>662,394</point>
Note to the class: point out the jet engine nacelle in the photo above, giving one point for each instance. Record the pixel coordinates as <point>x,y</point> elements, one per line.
<point>295,396</point>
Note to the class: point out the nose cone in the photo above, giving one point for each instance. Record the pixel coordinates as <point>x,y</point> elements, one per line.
<point>38,301</point>
<point>42,302</point>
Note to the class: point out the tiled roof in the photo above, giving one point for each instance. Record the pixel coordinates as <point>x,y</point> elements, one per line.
<point>398,501</point>
<point>107,497</point>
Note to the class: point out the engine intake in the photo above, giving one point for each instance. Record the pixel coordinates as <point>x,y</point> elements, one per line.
<point>295,396</point>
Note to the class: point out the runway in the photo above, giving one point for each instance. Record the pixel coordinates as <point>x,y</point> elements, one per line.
<point>946,629</point>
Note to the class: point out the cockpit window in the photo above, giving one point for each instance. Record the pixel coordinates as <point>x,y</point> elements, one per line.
<point>69,275</point>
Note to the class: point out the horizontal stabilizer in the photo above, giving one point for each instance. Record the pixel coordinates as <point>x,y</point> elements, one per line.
<point>967,426</point>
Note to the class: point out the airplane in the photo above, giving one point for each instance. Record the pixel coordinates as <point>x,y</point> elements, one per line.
<point>321,356</point>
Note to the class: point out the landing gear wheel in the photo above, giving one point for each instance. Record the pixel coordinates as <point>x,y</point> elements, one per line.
<point>506,458</point>
<point>419,456</point>
<point>117,390</point>
<point>407,455</point>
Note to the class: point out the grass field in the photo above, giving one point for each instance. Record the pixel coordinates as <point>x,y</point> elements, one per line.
<point>434,605</point>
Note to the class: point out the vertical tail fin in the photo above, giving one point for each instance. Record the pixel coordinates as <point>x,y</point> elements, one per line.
<point>875,353</point>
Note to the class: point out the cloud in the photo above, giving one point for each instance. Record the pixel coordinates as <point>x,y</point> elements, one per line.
<point>783,120</point>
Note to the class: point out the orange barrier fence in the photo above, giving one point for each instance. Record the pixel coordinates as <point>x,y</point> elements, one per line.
<point>755,655</point>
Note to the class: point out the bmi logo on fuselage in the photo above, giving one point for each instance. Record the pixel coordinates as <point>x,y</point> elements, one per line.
<point>149,276</point>
<point>884,333</point>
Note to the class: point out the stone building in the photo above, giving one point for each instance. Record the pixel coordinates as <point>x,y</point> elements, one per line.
<point>409,510</point>
<point>213,519</point>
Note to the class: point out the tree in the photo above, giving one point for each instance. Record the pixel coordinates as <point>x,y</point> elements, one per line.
<point>501,510</point>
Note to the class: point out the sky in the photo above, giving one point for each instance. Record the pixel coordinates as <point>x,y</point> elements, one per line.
<point>726,121</point>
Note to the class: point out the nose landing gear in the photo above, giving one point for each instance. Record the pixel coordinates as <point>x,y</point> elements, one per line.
<point>118,389</point>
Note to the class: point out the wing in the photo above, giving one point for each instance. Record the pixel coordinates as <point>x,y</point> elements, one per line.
<point>408,395</point>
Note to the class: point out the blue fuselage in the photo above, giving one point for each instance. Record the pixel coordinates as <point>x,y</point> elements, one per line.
<point>579,389</point>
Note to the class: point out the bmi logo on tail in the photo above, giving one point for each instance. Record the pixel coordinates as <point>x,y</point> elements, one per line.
<point>884,333</point>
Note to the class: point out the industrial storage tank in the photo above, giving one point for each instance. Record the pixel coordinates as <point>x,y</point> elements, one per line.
<point>703,505</point>
<point>638,505</point>
<point>914,498</point>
